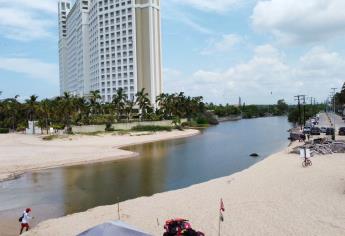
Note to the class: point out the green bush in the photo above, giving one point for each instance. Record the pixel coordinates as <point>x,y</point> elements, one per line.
<point>153,128</point>
<point>207,118</point>
<point>50,137</point>
<point>21,128</point>
<point>201,120</point>
<point>108,127</point>
<point>4,131</point>
<point>58,126</point>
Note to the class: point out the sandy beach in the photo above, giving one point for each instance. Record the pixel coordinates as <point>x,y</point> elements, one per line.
<point>274,197</point>
<point>24,153</point>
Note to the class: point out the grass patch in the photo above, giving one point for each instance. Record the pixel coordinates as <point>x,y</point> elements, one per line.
<point>194,124</point>
<point>151,128</point>
<point>121,132</point>
<point>96,133</point>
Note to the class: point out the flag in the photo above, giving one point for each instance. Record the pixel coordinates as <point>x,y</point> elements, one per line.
<point>222,205</point>
<point>221,210</point>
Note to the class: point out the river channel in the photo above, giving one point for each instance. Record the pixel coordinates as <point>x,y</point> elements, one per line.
<point>161,166</point>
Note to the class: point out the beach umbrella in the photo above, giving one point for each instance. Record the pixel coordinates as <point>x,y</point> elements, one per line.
<point>113,228</point>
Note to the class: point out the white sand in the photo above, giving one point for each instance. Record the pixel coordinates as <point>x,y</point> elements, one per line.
<point>21,153</point>
<point>274,197</point>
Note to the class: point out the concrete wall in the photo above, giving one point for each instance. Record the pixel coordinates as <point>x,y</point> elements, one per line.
<point>120,126</point>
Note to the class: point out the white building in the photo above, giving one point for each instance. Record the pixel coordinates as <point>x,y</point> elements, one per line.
<point>110,44</point>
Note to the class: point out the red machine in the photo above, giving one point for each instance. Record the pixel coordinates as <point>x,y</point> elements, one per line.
<point>180,227</point>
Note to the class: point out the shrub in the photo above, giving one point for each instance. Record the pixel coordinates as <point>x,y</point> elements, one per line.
<point>108,127</point>
<point>50,137</point>
<point>153,128</point>
<point>58,126</point>
<point>207,118</point>
<point>21,128</point>
<point>4,131</point>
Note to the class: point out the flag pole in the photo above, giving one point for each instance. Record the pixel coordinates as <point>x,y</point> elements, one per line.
<point>219,222</point>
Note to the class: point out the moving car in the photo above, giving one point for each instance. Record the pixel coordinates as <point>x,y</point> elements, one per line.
<point>315,131</point>
<point>341,131</point>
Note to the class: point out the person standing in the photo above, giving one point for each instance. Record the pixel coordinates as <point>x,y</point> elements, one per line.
<point>24,220</point>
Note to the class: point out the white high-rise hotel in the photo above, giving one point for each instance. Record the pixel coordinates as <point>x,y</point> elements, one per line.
<point>110,44</point>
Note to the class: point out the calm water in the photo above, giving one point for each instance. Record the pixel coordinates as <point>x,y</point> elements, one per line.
<point>161,166</point>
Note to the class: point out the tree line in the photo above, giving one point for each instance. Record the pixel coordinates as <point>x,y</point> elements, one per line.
<point>250,111</point>
<point>339,99</point>
<point>67,110</point>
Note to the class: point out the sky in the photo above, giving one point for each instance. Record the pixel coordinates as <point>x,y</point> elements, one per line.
<point>261,50</point>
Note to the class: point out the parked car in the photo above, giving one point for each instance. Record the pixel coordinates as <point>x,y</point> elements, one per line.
<point>306,130</point>
<point>329,131</point>
<point>323,129</point>
<point>341,131</point>
<point>315,131</point>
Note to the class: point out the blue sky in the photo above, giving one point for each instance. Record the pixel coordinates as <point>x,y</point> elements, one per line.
<point>220,49</point>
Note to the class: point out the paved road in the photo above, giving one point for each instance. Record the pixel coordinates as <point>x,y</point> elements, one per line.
<point>324,121</point>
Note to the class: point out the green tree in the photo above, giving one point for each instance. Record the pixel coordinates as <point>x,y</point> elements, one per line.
<point>282,107</point>
<point>144,103</point>
<point>119,102</point>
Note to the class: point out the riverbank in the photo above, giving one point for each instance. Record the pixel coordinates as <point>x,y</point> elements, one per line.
<point>24,153</point>
<point>274,197</point>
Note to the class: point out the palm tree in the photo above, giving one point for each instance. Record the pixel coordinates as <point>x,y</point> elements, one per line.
<point>32,105</point>
<point>83,108</point>
<point>163,104</point>
<point>67,106</point>
<point>95,97</point>
<point>119,100</point>
<point>143,102</point>
<point>129,105</point>
<point>45,109</point>
<point>12,109</point>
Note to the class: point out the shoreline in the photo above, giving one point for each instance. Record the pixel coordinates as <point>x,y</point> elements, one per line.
<point>69,151</point>
<point>267,198</point>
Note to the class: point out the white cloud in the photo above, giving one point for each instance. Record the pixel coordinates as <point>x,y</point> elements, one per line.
<point>172,13</point>
<point>31,67</point>
<point>27,20</point>
<point>321,69</point>
<point>208,5</point>
<point>225,44</point>
<point>297,21</point>
<point>266,72</point>
<point>49,6</point>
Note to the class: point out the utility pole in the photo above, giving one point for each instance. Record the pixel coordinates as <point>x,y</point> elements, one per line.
<point>304,121</point>
<point>333,94</point>
<point>298,98</point>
